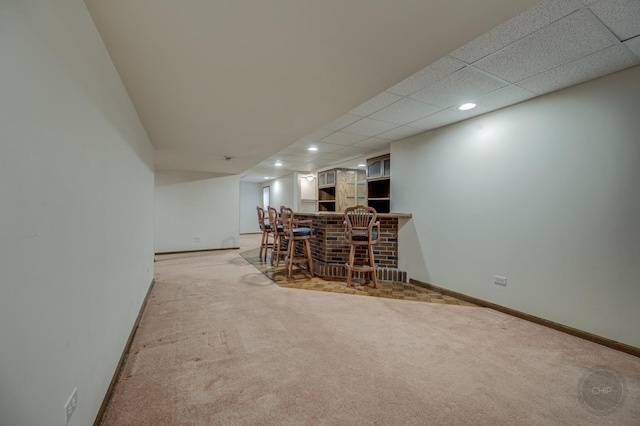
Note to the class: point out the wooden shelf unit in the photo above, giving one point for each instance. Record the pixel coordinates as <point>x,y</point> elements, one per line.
<point>341,188</point>
<point>379,183</point>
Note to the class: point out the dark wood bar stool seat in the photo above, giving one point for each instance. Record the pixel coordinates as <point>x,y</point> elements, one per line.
<point>297,231</point>
<point>279,248</point>
<point>265,227</point>
<point>361,230</point>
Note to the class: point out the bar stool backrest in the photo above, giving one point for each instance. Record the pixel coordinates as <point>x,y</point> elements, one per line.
<point>273,219</point>
<point>359,222</point>
<point>261,217</point>
<point>286,217</point>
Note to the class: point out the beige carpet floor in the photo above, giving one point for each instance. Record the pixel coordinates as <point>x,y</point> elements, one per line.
<point>221,344</point>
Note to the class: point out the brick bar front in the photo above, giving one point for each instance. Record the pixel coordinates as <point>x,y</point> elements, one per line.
<point>330,250</point>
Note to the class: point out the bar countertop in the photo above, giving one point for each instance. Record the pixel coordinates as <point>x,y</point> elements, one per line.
<point>381,215</point>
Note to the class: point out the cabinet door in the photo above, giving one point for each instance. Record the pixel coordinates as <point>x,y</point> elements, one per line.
<point>387,167</point>
<point>331,177</point>
<point>322,179</point>
<point>374,169</point>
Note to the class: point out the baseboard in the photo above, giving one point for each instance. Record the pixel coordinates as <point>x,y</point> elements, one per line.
<point>123,357</point>
<point>196,251</point>
<point>632,350</point>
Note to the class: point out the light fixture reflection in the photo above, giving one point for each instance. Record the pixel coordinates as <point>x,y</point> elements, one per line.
<point>467,106</point>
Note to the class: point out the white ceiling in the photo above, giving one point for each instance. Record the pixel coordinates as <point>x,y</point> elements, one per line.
<point>262,81</point>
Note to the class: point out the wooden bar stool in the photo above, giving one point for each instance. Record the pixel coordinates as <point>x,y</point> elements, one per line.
<point>279,241</point>
<point>265,227</point>
<point>361,230</point>
<point>294,231</point>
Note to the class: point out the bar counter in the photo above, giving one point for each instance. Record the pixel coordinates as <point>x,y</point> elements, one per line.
<point>330,250</point>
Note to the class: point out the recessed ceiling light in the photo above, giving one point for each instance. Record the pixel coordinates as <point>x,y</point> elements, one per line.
<point>312,148</point>
<point>361,165</point>
<point>278,164</point>
<point>467,106</point>
<point>267,177</point>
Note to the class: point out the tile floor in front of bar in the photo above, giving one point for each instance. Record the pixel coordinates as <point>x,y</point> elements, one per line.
<point>300,279</point>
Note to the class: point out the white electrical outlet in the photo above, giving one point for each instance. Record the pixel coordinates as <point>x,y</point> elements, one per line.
<point>500,280</point>
<point>71,405</point>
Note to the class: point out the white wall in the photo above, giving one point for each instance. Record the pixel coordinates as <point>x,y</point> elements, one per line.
<point>250,197</point>
<point>282,192</point>
<point>76,214</point>
<point>545,193</point>
<point>196,212</point>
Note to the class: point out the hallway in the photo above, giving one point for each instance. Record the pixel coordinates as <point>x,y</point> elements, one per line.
<point>221,344</point>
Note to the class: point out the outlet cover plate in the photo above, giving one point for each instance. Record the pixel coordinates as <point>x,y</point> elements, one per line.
<point>71,405</point>
<point>497,279</point>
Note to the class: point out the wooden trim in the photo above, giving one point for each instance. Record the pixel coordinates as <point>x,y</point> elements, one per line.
<point>196,251</point>
<point>632,350</point>
<point>123,357</point>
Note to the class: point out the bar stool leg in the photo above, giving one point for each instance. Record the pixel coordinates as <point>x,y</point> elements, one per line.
<point>274,250</point>
<point>266,248</point>
<point>291,253</point>
<point>307,252</point>
<point>352,257</point>
<point>262,244</point>
<point>279,255</point>
<point>372,262</point>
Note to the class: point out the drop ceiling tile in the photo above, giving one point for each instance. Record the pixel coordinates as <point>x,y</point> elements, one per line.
<point>588,2</point>
<point>335,157</point>
<point>310,167</point>
<point>342,138</point>
<point>298,148</point>
<point>374,104</point>
<point>458,88</point>
<point>622,17</point>
<point>316,135</point>
<point>564,41</point>
<point>369,127</point>
<point>374,143</point>
<point>405,111</point>
<point>328,161</point>
<point>342,121</point>
<point>296,158</point>
<point>324,148</point>
<point>501,98</point>
<point>528,22</point>
<point>356,151</point>
<point>634,45</point>
<point>400,133</point>
<point>428,76</point>
<point>441,118</point>
<point>254,175</point>
<point>270,163</point>
<point>587,68</point>
<point>495,100</point>
<point>266,165</point>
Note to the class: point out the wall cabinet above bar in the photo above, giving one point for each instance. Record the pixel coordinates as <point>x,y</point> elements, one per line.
<point>379,183</point>
<point>341,188</point>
